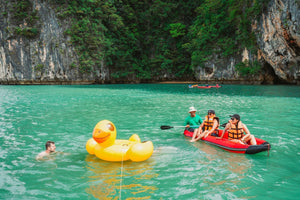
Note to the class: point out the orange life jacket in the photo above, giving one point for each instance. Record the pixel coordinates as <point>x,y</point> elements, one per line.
<point>235,132</point>
<point>209,122</point>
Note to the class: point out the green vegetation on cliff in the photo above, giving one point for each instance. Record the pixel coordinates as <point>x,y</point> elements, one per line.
<point>24,18</point>
<point>142,40</point>
<point>223,27</point>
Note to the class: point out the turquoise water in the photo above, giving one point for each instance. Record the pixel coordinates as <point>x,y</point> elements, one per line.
<point>178,169</point>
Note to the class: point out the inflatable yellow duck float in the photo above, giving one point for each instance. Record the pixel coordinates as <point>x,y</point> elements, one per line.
<point>105,146</point>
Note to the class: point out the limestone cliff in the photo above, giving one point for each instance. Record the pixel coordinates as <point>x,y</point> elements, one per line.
<point>278,39</point>
<point>43,58</point>
<point>278,36</point>
<point>36,51</point>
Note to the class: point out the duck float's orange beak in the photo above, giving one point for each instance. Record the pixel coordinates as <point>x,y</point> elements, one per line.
<point>103,131</point>
<point>100,136</point>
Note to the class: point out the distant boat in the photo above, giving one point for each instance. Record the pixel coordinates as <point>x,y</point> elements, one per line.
<point>205,86</point>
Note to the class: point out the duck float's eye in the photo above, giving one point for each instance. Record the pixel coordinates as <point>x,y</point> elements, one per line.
<point>110,127</point>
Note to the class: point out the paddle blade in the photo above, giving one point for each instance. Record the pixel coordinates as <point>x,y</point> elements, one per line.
<point>166,127</point>
<point>223,125</point>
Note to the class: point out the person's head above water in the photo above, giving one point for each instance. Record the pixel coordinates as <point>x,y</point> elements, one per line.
<point>50,146</point>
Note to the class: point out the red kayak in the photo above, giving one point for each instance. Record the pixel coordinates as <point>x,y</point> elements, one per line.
<point>228,145</point>
<point>204,87</point>
<point>208,87</point>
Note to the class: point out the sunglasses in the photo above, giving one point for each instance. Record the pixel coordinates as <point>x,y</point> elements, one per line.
<point>232,118</point>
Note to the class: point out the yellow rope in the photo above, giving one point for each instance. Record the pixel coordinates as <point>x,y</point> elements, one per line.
<point>120,193</point>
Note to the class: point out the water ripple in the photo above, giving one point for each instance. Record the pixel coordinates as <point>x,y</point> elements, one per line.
<point>178,169</point>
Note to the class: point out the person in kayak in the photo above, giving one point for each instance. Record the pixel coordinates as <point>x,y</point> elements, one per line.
<point>236,130</point>
<point>192,120</point>
<point>208,127</point>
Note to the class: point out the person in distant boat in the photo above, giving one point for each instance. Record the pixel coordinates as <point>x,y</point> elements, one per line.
<point>209,127</point>
<point>50,148</point>
<point>192,86</point>
<point>192,120</point>
<point>236,130</point>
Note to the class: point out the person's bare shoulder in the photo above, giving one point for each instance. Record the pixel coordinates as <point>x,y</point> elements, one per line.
<point>228,125</point>
<point>244,125</point>
<point>41,155</point>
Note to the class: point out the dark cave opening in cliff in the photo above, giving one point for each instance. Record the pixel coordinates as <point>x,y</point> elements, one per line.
<point>270,76</point>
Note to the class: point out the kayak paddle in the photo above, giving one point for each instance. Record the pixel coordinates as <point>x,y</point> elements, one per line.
<point>223,125</point>
<point>164,127</point>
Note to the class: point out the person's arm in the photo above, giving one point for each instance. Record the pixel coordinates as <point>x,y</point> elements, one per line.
<point>201,127</point>
<point>213,128</point>
<point>246,131</point>
<point>186,122</point>
<point>200,120</point>
<point>225,129</point>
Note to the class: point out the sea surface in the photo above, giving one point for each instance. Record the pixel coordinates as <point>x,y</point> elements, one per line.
<point>178,169</point>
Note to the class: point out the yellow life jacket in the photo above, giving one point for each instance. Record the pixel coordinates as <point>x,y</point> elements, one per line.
<point>209,122</point>
<point>235,132</point>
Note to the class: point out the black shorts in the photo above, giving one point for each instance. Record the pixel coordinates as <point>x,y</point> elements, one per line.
<point>190,129</point>
<point>214,134</point>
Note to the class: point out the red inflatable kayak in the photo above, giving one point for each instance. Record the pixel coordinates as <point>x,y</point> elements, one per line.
<point>204,87</point>
<point>228,145</point>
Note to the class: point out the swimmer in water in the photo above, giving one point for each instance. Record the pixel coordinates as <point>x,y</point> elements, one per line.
<point>50,148</point>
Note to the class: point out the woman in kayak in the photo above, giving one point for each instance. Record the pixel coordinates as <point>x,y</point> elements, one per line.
<point>236,131</point>
<point>209,126</point>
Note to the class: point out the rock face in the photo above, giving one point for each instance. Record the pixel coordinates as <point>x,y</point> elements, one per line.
<point>49,57</point>
<point>279,38</point>
<point>222,70</point>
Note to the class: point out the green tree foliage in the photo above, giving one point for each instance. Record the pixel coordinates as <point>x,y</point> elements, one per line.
<point>248,68</point>
<point>177,29</point>
<point>143,40</point>
<point>88,29</point>
<point>150,43</point>
<point>223,27</point>
<point>24,18</point>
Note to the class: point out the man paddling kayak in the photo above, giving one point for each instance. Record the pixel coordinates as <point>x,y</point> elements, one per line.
<point>192,120</point>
